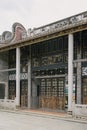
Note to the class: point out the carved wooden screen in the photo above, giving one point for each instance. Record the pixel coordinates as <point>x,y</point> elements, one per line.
<point>12,74</point>
<point>24,76</point>
<point>12,89</point>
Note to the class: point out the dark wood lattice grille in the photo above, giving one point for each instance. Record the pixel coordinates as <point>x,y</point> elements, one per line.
<point>84,91</point>
<point>24,93</point>
<point>12,89</point>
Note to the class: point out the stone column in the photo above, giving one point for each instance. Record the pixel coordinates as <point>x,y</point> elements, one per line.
<point>29,84</point>
<point>70,71</point>
<point>6,90</point>
<point>17,76</point>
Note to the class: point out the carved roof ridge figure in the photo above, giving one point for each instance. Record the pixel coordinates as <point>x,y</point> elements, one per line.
<point>6,36</point>
<point>18,33</point>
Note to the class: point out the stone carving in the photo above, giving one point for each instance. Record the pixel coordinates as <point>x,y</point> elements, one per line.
<point>6,36</point>
<point>18,33</point>
<point>84,71</point>
<point>60,25</point>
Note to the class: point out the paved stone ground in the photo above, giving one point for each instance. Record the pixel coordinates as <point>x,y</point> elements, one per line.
<point>22,121</point>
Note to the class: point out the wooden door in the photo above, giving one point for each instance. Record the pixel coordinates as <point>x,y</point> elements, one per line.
<point>24,93</point>
<point>2,91</point>
<point>84,90</point>
<point>12,89</point>
<point>52,93</point>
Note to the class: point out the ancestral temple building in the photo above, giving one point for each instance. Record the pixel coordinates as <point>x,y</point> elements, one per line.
<point>45,67</point>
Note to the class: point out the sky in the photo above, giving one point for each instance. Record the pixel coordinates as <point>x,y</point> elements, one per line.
<point>36,13</point>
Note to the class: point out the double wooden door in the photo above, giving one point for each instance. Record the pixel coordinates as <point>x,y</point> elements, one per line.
<point>52,93</point>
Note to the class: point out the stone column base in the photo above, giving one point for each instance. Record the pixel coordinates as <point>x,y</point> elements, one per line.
<point>69,112</point>
<point>17,107</point>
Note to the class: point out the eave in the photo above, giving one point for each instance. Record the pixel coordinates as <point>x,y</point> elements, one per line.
<point>43,37</point>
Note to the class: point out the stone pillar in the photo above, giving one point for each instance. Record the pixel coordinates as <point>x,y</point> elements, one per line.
<point>70,71</point>
<point>29,84</point>
<point>6,90</point>
<point>17,77</point>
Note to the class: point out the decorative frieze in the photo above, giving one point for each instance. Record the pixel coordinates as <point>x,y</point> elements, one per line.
<point>23,76</point>
<point>12,76</point>
<point>84,71</point>
<point>60,25</point>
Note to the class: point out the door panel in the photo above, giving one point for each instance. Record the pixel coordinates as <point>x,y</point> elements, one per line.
<point>84,91</point>
<point>52,93</point>
<point>2,91</point>
<point>12,90</point>
<point>24,93</point>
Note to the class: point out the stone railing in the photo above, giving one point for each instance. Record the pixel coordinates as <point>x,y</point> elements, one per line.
<point>79,111</point>
<point>7,104</point>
